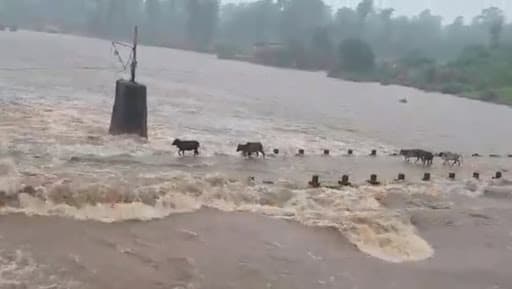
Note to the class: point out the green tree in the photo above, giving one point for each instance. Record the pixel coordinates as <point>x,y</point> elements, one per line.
<point>202,22</point>
<point>347,23</point>
<point>322,48</point>
<point>152,21</point>
<point>174,18</point>
<point>14,11</point>
<point>364,8</point>
<point>493,19</point>
<point>247,23</point>
<point>300,18</point>
<point>98,17</point>
<point>355,55</point>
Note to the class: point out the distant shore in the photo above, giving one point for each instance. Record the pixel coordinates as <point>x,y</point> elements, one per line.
<point>497,96</point>
<point>501,96</point>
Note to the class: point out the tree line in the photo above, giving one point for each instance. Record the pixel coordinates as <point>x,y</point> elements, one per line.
<point>360,42</point>
<point>310,24</point>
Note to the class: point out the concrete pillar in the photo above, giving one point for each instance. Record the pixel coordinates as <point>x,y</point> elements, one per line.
<point>129,115</point>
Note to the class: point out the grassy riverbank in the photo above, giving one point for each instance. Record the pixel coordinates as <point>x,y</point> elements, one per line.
<point>478,73</point>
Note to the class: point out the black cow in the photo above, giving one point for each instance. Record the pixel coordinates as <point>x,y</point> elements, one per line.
<point>250,148</point>
<point>411,153</point>
<point>184,146</point>
<point>426,157</point>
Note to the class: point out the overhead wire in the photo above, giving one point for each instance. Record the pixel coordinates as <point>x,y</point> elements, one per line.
<point>124,64</point>
<point>33,68</point>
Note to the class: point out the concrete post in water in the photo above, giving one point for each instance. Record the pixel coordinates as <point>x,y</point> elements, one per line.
<point>350,152</point>
<point>276,151</point>
<point>426,177</point>
<point>301,152</point>
<point>401,177</point>
<point>327,152</point>
<point>373,153</point>
<point>476,175</point>
<point>129,114</point>
<point>373,180</point>
<point>451,176</point>
<point>498,176</point>
<point>315,183</point>
<point>345,181</point>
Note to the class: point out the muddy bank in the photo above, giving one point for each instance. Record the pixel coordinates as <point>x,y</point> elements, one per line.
<point>211,249</point>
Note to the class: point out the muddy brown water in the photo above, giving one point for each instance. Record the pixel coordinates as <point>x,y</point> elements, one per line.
<point>121,212</point>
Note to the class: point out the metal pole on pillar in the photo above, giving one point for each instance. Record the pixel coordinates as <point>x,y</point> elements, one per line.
<point>134,51</point>
<point>129,114</point>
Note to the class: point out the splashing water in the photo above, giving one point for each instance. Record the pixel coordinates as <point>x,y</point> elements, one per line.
<point>357,213</point>
<point>46,120</point>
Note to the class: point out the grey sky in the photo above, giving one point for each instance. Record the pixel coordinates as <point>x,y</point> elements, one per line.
<point>449,9</point>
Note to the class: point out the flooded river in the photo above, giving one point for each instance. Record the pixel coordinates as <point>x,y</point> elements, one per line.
<point>82,209</point>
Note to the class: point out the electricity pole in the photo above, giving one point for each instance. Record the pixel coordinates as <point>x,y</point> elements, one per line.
<point>134,53</point>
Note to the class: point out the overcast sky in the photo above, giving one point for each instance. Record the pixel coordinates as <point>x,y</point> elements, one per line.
<point>449,9</point>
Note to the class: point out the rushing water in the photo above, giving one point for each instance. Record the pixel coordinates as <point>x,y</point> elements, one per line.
<point>58,160</point>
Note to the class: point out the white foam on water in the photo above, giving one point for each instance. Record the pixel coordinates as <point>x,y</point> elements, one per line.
<point>57,115</point>
<point>9,177</point>
<point>108,213</point>
<point>73,128</point>
<point>18,269</point>
<point>374,229</point>
<point>388,237</point>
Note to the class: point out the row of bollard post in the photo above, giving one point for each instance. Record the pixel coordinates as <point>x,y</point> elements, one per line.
<point>427,177</point>
<point>326,152</point>
<point>373,153</point>
<point>495,156</point>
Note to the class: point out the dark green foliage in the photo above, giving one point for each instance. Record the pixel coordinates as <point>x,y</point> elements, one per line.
<point>493,20</point>
<point>250,23</point>
<point>201,22</point>
<point>322,49</point>
<point>355,55</point>
<point>227,51</point>
<point>364,8</point>
<point>300,18</point>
